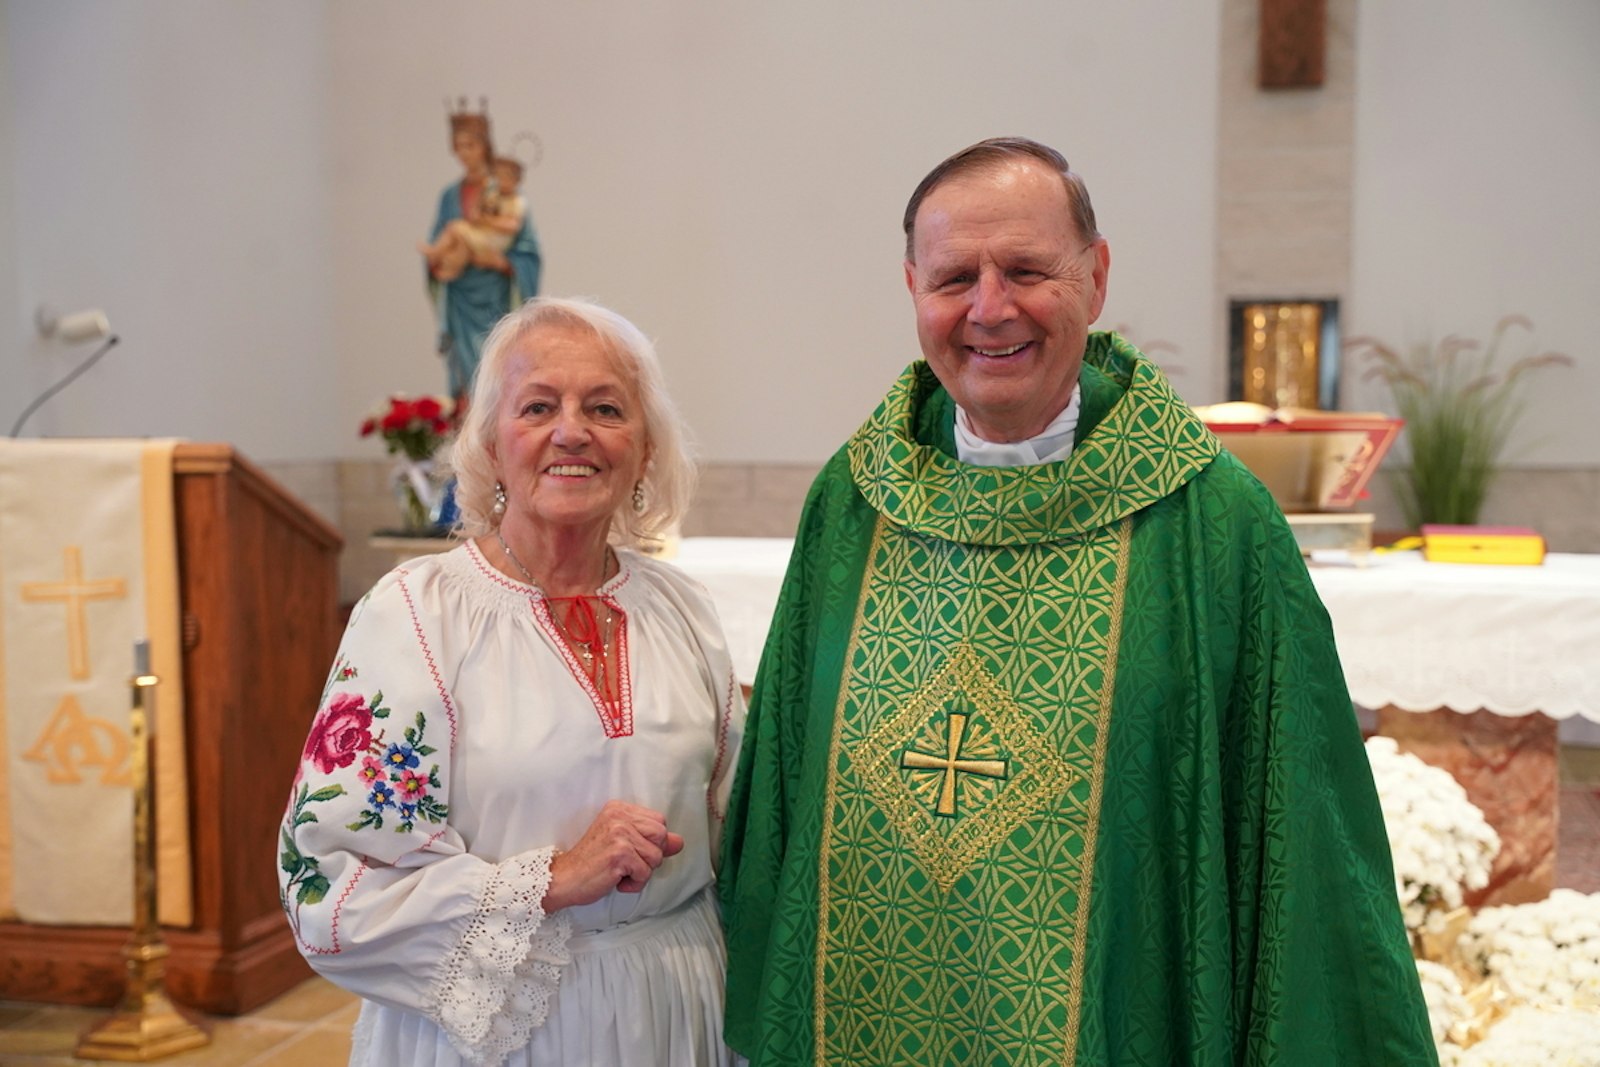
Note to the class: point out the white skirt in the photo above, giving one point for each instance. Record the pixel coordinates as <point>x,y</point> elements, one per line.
<point>644,992</point>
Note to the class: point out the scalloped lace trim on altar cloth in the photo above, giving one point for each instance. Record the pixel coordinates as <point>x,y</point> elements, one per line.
<point>494,990</point>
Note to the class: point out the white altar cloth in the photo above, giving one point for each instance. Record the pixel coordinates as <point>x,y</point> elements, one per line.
<point>1512,639</point>
<point>744,576</point>
<point>1418,635</point>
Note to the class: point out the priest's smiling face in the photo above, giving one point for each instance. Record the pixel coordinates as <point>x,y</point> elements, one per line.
<point>570,440</point>
<point>1005,290</point>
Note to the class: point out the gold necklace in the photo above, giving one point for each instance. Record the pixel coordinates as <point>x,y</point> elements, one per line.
<point>512,556</point>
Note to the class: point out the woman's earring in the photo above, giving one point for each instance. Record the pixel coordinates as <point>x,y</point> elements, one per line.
<point>638,496</point>
<point>499,509</point>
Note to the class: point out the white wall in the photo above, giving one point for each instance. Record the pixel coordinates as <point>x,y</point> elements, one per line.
<point>16,380</point>
<point>1477,155</point>
<point>241,187</point>
<point>170,167</point>
<point>732,175</point>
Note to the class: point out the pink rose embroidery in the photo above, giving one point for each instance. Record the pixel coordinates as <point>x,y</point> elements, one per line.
<point>341,731</point>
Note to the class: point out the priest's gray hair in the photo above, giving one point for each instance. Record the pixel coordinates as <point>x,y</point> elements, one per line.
<point>992,154</point>
<point>669,475</point>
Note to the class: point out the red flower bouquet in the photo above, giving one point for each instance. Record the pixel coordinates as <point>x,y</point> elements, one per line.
<point>414,428</point>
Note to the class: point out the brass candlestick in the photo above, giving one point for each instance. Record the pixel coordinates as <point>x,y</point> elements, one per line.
<point>146,1025</point>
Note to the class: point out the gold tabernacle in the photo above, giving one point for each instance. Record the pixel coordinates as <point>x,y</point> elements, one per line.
<point>1282,354</point>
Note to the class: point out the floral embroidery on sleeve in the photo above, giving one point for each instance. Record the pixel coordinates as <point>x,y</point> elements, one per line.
<point>306,882</point>
<point>390,775</point>
<point>396,782</point>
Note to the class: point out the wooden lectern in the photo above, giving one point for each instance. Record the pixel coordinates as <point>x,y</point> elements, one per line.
<point>258,585</point>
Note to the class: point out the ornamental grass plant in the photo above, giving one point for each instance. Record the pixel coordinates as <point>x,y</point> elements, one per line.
<point>1459,410</point>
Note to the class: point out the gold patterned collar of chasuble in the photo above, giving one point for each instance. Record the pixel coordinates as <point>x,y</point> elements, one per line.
<point>1148,445</point>
<point>963,796</point>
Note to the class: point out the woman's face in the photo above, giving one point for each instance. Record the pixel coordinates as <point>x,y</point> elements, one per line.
<point>471,151</point>
<point>570,439</point>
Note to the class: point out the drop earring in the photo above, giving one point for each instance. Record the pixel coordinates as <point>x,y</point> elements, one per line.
<point>499,509</point>
<point>638,496</point>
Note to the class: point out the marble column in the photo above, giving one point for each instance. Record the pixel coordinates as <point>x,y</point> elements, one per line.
<point>1510,769</point>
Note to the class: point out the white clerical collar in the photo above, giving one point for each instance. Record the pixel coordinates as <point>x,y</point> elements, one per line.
<point>1053,443</point>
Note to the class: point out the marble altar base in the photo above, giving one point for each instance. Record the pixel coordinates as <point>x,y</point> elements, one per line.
<point>1509,767</point>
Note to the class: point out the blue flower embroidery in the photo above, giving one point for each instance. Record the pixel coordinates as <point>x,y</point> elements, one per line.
<point>399,787</point>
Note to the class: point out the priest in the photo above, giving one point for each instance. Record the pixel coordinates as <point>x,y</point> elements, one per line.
<point>1050,757</point>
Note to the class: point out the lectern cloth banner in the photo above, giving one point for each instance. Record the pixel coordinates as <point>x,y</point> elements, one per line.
<point>88,567</point>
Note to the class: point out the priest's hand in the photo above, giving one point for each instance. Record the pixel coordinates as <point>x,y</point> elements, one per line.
<point>620,850</point>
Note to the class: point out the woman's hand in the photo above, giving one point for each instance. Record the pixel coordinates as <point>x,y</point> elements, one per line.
<point>620,850</point>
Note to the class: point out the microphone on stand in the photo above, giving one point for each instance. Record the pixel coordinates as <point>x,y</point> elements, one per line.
<point>110,343</point>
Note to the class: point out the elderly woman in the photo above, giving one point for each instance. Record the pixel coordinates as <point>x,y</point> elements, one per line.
<point>502,830</point>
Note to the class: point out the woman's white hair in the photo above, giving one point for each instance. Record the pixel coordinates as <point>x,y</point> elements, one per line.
<point>669,475</point>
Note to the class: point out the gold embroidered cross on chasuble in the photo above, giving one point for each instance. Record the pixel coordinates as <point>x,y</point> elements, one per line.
<point>88,566</point>
<point>973,762</point>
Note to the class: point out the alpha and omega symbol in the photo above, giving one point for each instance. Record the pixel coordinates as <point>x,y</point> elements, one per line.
<point>72,741</point>
<point>951,764</point>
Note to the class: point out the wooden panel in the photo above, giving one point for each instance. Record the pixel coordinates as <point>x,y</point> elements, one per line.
<point>1292,42</point>
<point>258,585</point>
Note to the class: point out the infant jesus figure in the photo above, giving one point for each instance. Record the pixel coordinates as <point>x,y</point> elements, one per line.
<point>481,239</point>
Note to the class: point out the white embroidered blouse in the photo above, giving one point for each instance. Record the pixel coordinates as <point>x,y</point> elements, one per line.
<point>457,747</point>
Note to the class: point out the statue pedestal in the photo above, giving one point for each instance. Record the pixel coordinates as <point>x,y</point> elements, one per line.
<point>1509,767</point>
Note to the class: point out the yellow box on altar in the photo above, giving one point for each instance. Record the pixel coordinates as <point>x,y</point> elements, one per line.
<point>1481,544</point>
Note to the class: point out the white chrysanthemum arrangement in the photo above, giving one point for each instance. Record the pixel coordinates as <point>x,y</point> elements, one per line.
<point>1532,1037</point>
<point>1545,954</point>
<point>1542,957</point>
<point>1545,958</point>
<point>1447,1005</point>
<point>1439,839</point>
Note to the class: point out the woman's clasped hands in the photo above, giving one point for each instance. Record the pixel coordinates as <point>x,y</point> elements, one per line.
<point>620,850</point>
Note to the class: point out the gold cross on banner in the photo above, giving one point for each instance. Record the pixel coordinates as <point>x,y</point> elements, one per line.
<point>951,764</point>
<point>75,593</point>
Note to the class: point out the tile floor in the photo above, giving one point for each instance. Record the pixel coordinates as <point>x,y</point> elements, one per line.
<point>309,1026</point>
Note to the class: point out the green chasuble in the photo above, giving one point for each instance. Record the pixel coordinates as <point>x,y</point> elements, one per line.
<point>1055,765</point>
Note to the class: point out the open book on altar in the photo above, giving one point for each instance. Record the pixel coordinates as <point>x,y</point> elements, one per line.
<point>1311,460</point>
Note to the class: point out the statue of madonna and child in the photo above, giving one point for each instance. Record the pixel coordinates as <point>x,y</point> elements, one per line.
<point>481,258</point>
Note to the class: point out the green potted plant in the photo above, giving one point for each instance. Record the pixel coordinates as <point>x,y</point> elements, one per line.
<point>1459,410</point>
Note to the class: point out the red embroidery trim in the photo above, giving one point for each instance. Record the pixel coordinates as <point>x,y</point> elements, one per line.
<point>616,716</point>
<point>427,655</point>
<point>723,725</point>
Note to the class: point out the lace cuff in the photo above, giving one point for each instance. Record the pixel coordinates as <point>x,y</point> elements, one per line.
<point>494,989</point>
